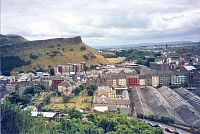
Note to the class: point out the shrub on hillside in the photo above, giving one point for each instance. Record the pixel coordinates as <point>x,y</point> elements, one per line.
<point>89,56</point>
<point>83,48</point>
<point>33,56</point>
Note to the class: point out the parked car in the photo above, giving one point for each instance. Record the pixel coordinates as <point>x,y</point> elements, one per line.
<point>177,132</point>
<point>157,125</point>
<point>169,130</point>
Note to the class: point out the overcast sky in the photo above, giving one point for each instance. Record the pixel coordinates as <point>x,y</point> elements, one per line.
<point>103,22</point>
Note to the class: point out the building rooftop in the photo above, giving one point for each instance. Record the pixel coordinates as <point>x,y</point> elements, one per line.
<point>45,114</point>
<point>189,68</point>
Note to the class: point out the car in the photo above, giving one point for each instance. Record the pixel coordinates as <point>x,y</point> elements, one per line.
<point>169,130</point>
<point>157,125</point>
<point>177,132</point>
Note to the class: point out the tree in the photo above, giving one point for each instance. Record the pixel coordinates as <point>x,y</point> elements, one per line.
<point>23,99</point>
<point>159,131</point>
<point>91,117</point>
<point>14,120</point>
<point>90,92</point>
<point>107,124</point>
<point>81,87</point>
<point>77,91</point>
<point>92,129</point>
<point>10,118</point>
<point>93,87</point>
<point>123,129</point>
<point>166,120</point>
<point>73,113</point>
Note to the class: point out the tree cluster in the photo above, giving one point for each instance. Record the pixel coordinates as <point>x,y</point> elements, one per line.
<point>162,119</point>
<point>26,97</point>
<point>91,89</point>
<point>15,120</point>
<point>142,57</point>
<point>78,89</point>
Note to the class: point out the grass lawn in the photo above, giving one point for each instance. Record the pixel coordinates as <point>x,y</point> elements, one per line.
<point>115,60</point>
<point>80,102</point>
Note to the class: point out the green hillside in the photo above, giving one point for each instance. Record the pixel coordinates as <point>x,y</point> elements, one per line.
<point>45,58</point>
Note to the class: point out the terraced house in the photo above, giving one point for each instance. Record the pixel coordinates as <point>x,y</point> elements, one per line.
<point>108,99</point>
<point>116,77</point>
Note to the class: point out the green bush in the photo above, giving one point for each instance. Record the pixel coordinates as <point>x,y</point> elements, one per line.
<point>89,56</point>
<point>83,48</point>
<point>32,56</point>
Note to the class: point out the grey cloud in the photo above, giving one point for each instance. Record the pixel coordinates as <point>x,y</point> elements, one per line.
<point>103,21</point>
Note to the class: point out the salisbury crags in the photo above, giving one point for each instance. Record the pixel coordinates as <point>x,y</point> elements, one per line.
<point>9,49</point>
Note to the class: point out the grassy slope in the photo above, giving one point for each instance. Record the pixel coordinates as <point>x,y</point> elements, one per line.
<point>68,56</point>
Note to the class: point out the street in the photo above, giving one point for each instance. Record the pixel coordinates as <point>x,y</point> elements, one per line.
<point>167,126</point>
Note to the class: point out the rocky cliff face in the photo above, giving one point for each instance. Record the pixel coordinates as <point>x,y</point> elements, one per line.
<point>9,49</point>
<point>11,39</point>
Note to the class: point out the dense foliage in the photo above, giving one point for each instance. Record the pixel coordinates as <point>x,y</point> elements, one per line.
<point>91,89</point>
<point>14,120</point>
<point>142,57</point>
<point>162,119</point>
<point>8,63</point>
<point>21,99</point>
<point>32,90</point>
<point>78,90</point>
<point>26,97</point>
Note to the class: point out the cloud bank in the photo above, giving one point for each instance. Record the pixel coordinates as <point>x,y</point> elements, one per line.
<point>103,22</point>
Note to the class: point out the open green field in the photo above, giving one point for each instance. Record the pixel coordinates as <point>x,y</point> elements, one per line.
<point>80,102</point>
<point>115,60</point>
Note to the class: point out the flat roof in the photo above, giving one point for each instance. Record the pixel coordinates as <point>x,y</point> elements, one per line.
<point>189,68</point>
<point>45,114</point>
<point>101,108</point>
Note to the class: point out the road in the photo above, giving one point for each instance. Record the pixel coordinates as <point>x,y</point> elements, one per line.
<point>172,128</point>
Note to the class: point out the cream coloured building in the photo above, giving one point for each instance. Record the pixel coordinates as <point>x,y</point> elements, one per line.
<point>155,81</point>
<point>142,82</point>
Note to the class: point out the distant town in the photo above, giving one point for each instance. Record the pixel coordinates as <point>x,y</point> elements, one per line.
<point>150,83</point>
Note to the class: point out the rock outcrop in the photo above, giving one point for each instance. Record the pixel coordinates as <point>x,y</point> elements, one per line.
<point>9,49</point>
<point>11,39</point>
